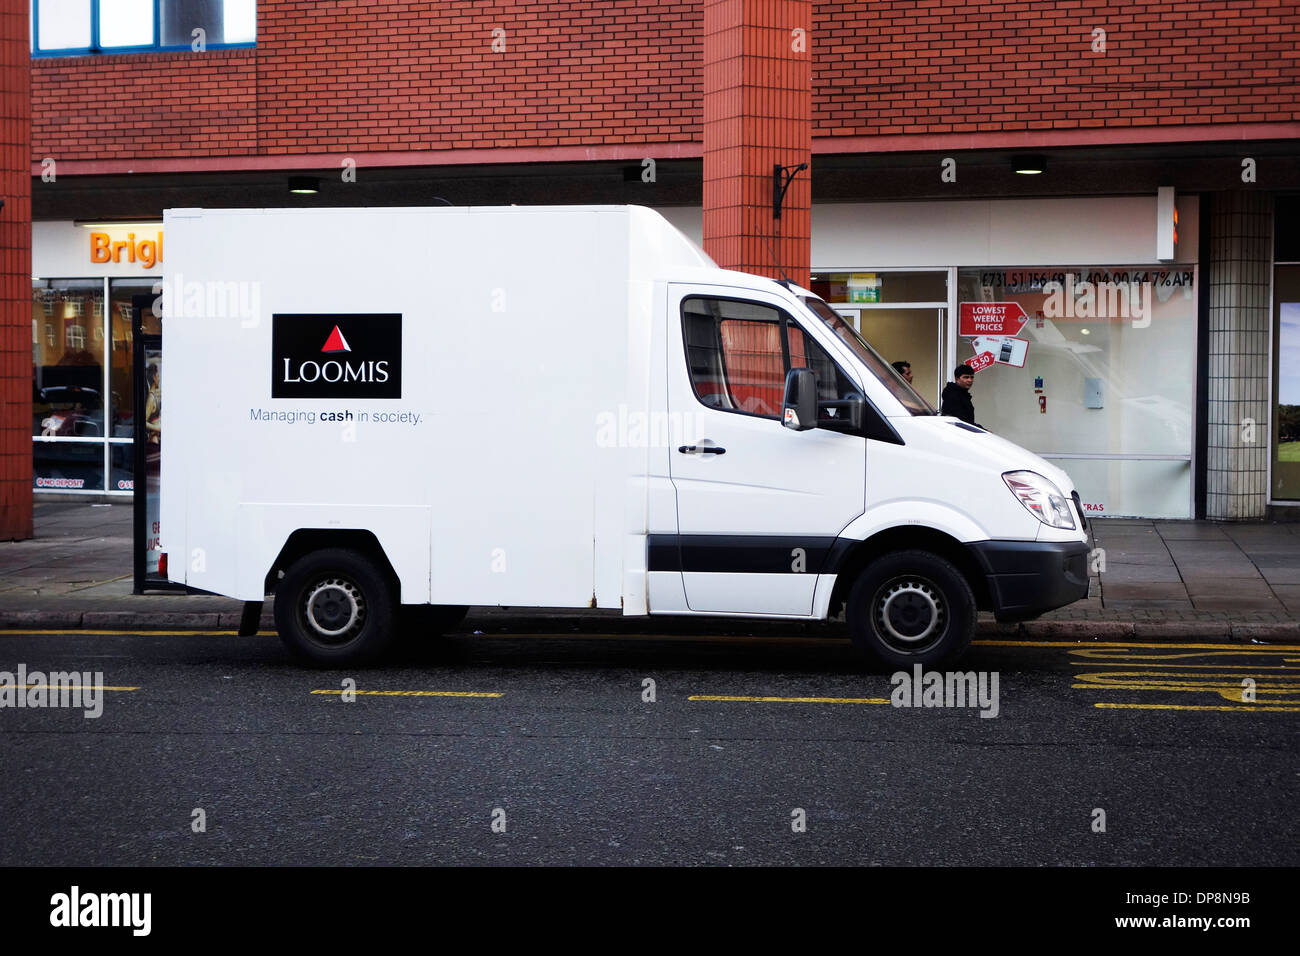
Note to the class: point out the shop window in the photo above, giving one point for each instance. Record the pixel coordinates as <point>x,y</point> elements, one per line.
<point>67,377</point>
<point>77,27</point>
<point>1100,379</point>
<point>871,288</point>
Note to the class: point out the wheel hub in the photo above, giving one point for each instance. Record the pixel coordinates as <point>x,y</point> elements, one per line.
<point>335,608</point>
<point>910,612</point>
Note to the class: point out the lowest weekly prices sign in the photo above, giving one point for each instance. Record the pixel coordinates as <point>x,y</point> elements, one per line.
<point>991,318</point>
<point>994,327</point>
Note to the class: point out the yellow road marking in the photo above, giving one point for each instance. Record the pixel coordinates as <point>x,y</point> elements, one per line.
<point>1220,666</point>
<point>411,693</point>
<point>1169,670</point>
<point>793,700</point>
<point>1086,646</point>
<point>1192,707</point>
<point>1228,691</point>
<point>1219,651</point>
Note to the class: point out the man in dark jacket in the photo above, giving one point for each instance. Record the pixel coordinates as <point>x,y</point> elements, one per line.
<point>956,396</point>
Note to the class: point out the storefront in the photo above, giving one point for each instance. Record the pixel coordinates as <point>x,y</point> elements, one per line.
<point>83,407</point>
<point>1099,377</point>
<point>1084,336</point>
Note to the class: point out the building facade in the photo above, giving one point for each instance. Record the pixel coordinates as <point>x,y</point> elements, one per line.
<point>1124,178</point>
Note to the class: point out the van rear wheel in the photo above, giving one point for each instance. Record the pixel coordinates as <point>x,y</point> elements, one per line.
<point>334,608</point>
<point>909,608</point>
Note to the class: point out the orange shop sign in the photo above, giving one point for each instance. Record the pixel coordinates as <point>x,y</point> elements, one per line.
<point>147,252</point>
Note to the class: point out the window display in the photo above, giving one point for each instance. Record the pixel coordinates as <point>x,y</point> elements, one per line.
<point>1093,367</point>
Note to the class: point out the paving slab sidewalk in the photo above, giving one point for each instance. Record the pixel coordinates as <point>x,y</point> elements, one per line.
<point>1152,580</point>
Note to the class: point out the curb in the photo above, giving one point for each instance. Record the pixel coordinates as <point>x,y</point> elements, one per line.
<point>1223,632</point>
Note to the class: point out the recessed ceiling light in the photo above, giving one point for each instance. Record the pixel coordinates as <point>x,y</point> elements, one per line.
<point>1028,165</point>
<point>304,185</point>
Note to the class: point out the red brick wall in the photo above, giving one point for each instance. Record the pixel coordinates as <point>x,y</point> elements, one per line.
<point>757,111</point>
<point>404,76</point>
<point>390,76</point>
<point>144,104</point>
<point>944,66</point>
<point>15,277</point>
<point>425,76</point>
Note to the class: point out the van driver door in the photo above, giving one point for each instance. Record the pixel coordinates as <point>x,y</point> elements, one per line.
<point>759,506</point>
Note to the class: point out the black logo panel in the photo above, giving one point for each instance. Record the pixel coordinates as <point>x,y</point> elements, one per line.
<point>318,355</point>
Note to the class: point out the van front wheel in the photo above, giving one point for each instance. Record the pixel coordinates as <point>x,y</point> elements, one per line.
<point>909,608</point>
<point>334,608</point>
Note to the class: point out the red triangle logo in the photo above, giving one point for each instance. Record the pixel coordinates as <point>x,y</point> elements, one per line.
<point>336,342</point>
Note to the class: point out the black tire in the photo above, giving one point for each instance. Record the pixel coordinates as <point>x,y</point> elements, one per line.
<point>909,608</point>
<point>334,608</point>
<point>430,620</point>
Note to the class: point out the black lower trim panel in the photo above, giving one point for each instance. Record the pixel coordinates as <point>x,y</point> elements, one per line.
<point>1028,578</point>
<point>744,554</point>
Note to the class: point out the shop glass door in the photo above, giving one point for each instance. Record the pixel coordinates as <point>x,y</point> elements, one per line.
<point>901,314</point>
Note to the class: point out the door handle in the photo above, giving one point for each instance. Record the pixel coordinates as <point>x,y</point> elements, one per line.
<point>701,450</point>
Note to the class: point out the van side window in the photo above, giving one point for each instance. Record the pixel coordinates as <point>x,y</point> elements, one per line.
<point>733,351</point>
<point>738,360</point>
<point>832,384</point>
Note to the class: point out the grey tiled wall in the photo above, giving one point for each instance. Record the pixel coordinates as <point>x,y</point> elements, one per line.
<point>1240,261</point>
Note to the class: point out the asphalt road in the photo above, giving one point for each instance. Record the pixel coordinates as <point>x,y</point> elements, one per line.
<point>561,759</point>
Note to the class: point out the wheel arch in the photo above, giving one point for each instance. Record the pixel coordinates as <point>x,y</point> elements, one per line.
<point>306,540</point>
<point>909,538</point>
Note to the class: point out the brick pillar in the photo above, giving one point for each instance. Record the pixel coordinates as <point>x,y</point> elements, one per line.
<point>15,273</point>
<point>1240,260</point>
<point>757,113</point>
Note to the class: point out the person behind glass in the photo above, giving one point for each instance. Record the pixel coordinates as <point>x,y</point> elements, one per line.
<point>956,396</point>
<point>904,369</point>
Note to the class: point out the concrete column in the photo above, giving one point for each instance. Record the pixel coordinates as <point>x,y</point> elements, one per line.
<point>15,274</point>
<point>757,113</point>
<point>1240,259</point>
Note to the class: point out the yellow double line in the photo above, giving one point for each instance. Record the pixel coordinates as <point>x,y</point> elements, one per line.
<point>1170,668</point>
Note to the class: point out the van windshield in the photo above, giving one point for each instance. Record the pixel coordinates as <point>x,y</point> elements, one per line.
<point>869,357</point>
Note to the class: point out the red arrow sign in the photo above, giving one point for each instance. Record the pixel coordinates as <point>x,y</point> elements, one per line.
<point>991,318</point>
<point>982,361</point>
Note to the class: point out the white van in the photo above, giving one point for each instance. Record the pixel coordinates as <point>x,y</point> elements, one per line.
<point>384,416</point>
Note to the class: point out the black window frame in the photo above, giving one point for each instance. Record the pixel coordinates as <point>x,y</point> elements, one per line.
<point>155,46</point>
<point>784,320</point>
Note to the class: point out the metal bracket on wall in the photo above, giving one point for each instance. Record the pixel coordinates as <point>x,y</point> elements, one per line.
<point>782,176</point>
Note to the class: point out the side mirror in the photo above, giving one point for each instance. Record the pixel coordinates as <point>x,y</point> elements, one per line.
<point>843,415</point>
<point>799,409</point>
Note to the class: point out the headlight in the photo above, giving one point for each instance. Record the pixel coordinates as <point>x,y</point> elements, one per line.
<point>1042,498</point>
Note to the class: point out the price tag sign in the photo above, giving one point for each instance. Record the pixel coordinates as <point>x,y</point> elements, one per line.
<point>991,318</point>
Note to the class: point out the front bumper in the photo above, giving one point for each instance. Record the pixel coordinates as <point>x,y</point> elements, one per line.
<point>1027,578</point>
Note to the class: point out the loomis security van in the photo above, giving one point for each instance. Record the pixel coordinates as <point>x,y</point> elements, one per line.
<point>383,416</point>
